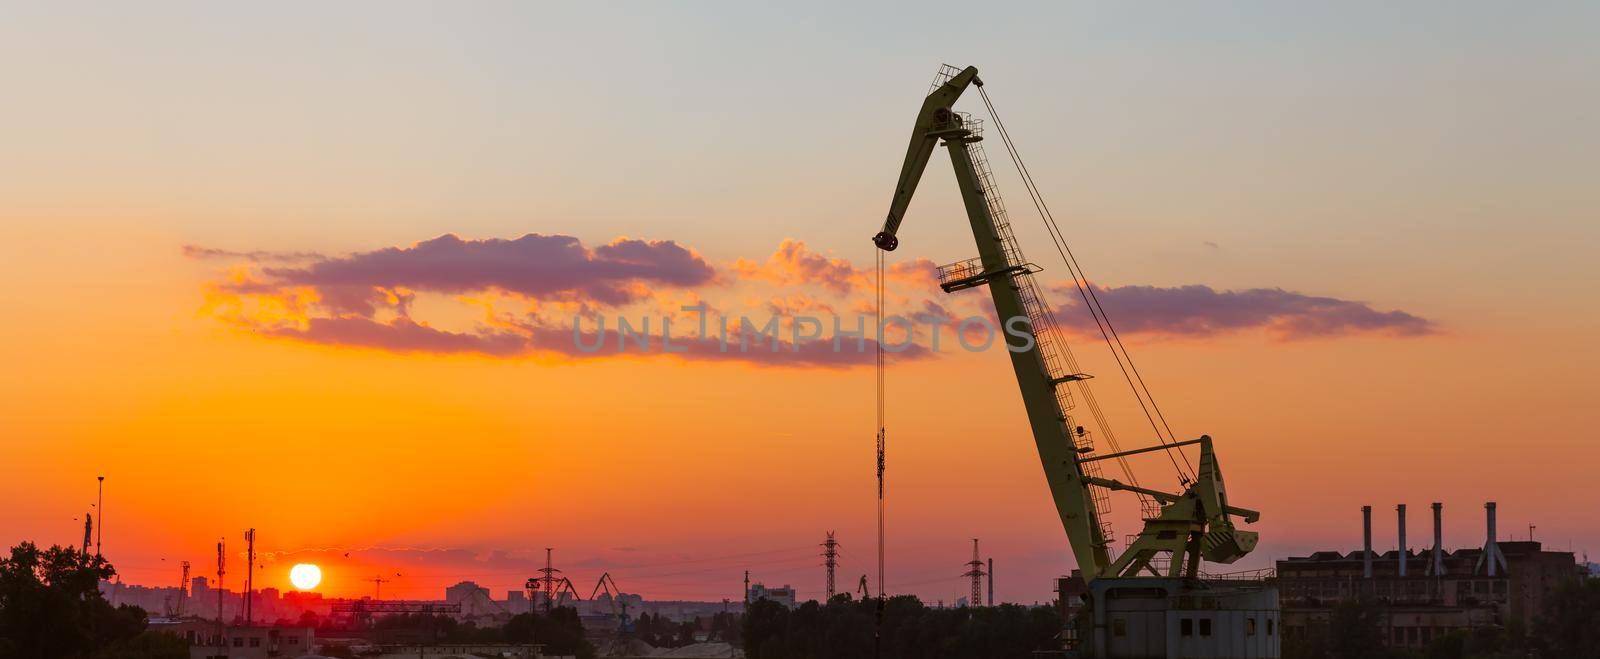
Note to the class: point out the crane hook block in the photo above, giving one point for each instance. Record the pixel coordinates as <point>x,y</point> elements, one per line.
<point>885,242</point>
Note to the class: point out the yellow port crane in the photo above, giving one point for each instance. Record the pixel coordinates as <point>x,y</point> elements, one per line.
<point>1180,528</point>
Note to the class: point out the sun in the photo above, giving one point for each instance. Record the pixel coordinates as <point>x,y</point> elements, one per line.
<point>305,576</point>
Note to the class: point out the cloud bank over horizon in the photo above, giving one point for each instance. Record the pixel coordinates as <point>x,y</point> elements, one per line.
<point>522,297</point>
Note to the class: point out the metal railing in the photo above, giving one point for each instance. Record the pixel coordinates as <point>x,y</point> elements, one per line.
<point>1241,575</point>
<point>959,121</point>
<point>960,270</point>
<point>946,72</point>
<point>1049,346</point>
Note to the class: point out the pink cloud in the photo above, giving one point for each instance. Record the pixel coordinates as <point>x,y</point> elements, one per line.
<point>1200,311</point>
<point>793,263</point>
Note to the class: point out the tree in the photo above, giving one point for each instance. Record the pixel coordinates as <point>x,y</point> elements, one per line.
<point>844,629</point>
<point>725,626</point>
<point>1355,630</point>
<point>148,645</point>
<point>50,606</point>
<point>560,632</point>
<point>1571,620</point>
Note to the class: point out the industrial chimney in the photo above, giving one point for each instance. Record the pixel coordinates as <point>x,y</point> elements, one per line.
<point>1366,542</point>
<point>1436,565</point>
<point>1401,509</point>
<point>1491,559</point>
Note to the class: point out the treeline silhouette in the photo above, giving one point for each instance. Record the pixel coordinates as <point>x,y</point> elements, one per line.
<point>843,628</point>
<point>50,606</point>
<point>559,631</point>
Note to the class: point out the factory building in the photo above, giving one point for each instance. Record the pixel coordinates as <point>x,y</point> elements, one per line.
<point>1427,593</point>
<point>209,640</point>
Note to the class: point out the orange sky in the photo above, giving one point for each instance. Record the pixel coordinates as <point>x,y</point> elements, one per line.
<point>1420,176</point>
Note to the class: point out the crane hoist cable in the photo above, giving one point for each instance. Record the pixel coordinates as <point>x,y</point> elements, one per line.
<point>1080,280</point>
<point>877,632</point>
<point>882,429</point>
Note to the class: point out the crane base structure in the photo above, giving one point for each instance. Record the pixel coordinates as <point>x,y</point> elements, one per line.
<point>1145,617</point>
<point>1152,599</point>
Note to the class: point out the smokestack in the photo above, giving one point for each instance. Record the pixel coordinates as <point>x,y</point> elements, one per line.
<point>1491,559</point>
<point>1401,509</point>
<point>1436,566</point>
<point>991,582</point>
<point>1366,544</point>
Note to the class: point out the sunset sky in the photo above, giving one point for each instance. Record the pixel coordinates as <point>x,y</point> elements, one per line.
<point>313,270</point>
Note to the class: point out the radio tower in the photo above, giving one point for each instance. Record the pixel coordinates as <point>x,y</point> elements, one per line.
<point>830,556</point>
<point>222,563</point>
<point>249,575</point>
<point>976,573</point>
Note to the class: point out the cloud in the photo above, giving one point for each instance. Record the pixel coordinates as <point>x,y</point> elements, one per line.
<point>199,252</point>
<point>793,263</point>
<point>405,336</point>
<point>510,299</point>
<point>535,266</point>
<point>1201,311</point>
<point>402,335</point>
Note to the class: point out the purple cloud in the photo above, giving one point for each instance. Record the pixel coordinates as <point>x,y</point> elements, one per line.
<point>534,266</point>
<point>402,335</point>
<point>1198,311</point>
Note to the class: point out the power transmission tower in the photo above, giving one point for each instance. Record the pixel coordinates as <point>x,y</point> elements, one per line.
<point>976,573</point>
<point>549,580</point>
<point>830,556</point>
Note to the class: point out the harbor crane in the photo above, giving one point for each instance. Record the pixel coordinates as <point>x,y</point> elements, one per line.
<point>619,606</point>
<point>1180,528</point>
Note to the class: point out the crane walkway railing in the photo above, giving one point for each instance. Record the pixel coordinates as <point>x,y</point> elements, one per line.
<point>1050,347</point>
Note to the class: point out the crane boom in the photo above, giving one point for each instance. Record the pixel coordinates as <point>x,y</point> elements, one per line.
<point>935,112</point>
<point>1057,451</point>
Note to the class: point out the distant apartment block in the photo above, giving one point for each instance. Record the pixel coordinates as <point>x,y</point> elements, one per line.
<point>783,595</point>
